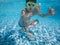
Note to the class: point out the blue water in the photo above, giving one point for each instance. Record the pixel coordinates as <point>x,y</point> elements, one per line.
<point>47,32</point>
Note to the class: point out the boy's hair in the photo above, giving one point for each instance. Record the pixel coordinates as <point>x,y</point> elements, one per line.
<point>31,1</point>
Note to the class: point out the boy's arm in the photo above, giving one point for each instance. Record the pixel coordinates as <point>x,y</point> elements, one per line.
<point>23,12</point>
<point>51,12</point>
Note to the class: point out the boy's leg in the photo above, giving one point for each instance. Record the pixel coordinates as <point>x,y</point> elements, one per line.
<point>26,29</point>
<point>30,35</point>
<point>33,23</point>
<point>30,26</point>
<point>27,32</point>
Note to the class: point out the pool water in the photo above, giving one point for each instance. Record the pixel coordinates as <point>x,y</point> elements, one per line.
<point>47,32</point>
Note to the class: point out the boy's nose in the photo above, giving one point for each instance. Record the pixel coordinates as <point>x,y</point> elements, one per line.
<point>30,7</point>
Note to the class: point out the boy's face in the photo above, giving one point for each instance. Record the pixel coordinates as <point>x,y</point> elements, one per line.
<point>30,5</point>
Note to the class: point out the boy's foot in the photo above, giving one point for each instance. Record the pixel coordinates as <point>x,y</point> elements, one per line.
<point>30,35</point>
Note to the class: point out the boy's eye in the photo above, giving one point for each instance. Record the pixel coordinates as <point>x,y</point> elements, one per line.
<point>29,4</point>
<point>32,4</point>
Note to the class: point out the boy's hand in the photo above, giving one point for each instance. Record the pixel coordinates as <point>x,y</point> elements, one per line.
<point>51,11</point>
<point>38,7</point>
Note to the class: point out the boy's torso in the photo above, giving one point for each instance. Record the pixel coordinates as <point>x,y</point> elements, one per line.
<point>25,20</point>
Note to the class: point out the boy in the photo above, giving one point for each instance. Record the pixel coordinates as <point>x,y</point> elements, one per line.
<point>28,12</point>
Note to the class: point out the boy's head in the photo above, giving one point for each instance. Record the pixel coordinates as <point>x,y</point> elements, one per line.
<point>31,1</point>
<point>30,4</point>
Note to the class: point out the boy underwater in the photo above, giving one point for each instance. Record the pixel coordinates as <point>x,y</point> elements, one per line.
<point>31,10</point>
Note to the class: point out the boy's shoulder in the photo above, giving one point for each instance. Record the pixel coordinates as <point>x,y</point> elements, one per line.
<point>23,9</point>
